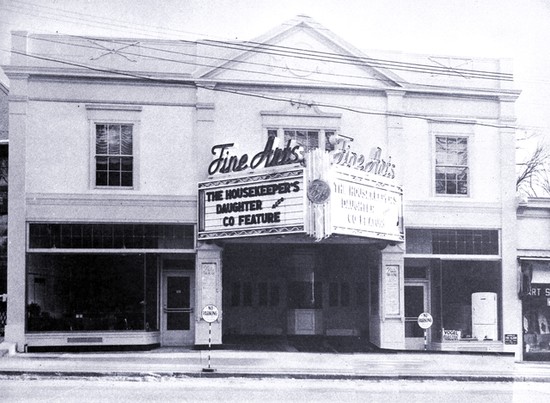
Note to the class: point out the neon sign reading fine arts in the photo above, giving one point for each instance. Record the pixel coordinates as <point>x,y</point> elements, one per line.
<point>224,162</point>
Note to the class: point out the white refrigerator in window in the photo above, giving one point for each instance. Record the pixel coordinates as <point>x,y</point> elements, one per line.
<point>484,316</point>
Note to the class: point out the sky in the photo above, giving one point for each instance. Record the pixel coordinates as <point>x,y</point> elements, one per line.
<point>516,29</point>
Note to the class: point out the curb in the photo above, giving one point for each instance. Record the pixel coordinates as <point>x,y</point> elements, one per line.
<point>7,374</point>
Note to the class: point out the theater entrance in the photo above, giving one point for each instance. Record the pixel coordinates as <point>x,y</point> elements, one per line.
<point>297,294</point>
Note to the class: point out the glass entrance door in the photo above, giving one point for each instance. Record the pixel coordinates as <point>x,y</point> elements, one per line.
<point>416,302</point>
<point>177,325</point>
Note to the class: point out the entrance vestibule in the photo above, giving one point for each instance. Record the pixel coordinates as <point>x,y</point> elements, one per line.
<point>287,289</point>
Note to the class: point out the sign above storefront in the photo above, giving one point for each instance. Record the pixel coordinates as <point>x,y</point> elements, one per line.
<point>224,162</point>
<point>364,205</point>
<point>539,290</point>
<point>320,193</point>
<point>267,204</point>
<point>374,164</point>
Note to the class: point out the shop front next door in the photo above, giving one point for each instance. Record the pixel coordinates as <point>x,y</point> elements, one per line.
<point>416,302</point>
<point>177,324</point>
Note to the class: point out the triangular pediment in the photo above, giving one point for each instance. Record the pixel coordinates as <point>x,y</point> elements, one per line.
<point>299,51</point>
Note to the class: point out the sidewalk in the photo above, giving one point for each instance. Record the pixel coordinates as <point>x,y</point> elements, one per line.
<point>179,362</point>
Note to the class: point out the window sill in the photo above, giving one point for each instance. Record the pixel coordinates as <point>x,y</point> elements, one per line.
<point>114,187</point>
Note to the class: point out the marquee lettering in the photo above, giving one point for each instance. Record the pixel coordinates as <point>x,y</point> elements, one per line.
<point>268,157</point>
<point>255,207</point>
<point>373,164</point>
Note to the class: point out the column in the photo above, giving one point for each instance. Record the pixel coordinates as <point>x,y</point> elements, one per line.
<point>395,142</point>
<point>511,274</point>
<point>208,291</point>
<point>391,297</point>
<point>15,327</point>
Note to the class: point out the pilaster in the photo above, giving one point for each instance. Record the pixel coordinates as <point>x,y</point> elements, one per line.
<point>15,327</point>
<point>208,291</point>
<point>391,302</point>
<point>394,124</point>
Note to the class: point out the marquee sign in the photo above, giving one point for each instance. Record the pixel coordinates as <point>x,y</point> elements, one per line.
<point>365,205</point>
<point>341,192</point>
<point>270,203</point>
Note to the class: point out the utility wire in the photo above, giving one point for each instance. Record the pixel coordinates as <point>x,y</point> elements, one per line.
<point>204,65</point>
<point>355,60</point>
<point>190,84</point>
<point>127,53</point>
<point>278,50</point>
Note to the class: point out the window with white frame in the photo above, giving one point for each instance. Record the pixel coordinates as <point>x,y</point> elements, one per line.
<point>114,145</point>
<point>451,165</point>
<point>308,139</point>
<point>114,163</point>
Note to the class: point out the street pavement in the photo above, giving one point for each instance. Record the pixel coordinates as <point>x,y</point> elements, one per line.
<point>182,362</point>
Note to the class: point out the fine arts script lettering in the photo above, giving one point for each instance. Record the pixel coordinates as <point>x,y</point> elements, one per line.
<point>342,154</point>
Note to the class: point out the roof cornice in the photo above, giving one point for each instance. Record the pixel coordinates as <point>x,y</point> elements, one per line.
<point>72,73</point>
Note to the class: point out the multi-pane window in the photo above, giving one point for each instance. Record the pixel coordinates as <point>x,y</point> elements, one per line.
<point>451,165</point>
<point>114,155</point>
<point>452,241</point>
<point>110,236</point>
<point>306,138</point>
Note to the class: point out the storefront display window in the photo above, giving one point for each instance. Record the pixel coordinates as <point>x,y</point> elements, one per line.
<point>460,284</point>
<point>91,292</point>
<point>536,310</point>
<point>536,320</point>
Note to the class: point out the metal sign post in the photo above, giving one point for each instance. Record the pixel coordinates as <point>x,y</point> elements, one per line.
<point>425,321</point>
<point>209,314</point>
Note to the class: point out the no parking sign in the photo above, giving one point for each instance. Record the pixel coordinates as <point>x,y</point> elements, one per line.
<point>210,313</point>
<point>425,320</point>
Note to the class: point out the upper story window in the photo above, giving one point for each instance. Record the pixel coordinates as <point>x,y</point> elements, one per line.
<point>114,145</point>
<point>114,155</point>
<point>451,165</point>
<point>308,139</point>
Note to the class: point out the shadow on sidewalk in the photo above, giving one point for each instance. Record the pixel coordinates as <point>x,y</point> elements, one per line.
<point>304,344</point>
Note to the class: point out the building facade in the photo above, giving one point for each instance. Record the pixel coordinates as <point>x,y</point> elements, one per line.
<point>534,265</point>
<point>300,186</point>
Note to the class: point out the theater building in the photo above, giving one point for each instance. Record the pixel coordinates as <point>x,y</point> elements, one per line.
<point>301,186</point>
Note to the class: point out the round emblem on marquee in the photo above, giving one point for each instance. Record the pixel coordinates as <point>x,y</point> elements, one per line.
<point>318,191</point>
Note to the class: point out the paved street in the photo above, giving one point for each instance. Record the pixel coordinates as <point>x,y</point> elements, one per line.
<point>266,390</point>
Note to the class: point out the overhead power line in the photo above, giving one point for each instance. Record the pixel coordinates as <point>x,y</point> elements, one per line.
<point>223,62</point>
<point>191,84</point>
<point>278,50</point>
<point>357,60</point>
